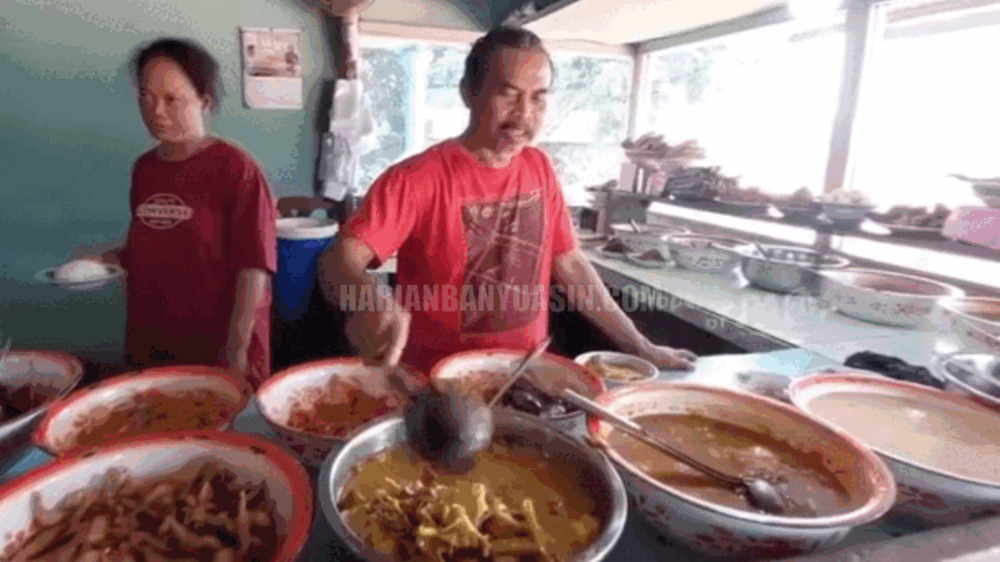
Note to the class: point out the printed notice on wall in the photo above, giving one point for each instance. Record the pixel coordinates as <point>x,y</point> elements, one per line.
<point>272,67</point>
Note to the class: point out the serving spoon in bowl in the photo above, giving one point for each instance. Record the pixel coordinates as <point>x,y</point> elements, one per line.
<point>449,428</point>
<point>761,494</point>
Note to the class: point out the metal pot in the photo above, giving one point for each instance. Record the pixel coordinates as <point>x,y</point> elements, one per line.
<point>603,481</point>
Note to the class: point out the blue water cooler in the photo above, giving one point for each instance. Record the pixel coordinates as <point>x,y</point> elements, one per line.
<point>300,242</point>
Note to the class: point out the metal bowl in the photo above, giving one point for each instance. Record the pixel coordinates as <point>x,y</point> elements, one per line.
<point>927,494</point>
<point>973,374</point>
<point>786,269</point>
<point>602,482</point>
<point>884,297</point>
<point>736,534</point>
<point>305,385</point>
<point>156,457</point>
<point>69,418</point>
<point>705,253</point>
<point>549,373</point>
<point>59,373</point>
<point>976,320</point>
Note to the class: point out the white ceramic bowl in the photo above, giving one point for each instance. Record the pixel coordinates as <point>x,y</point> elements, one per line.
<point>884,297</point>
<point>976,320</point>
<point>644,370</point>
<point>70,419</point>
<point>483,372</point>
<point>52,374</point>
<point>719,530</point>
<point>153,458</point>
<point>649,237</point>
<point>705,253</point>
<point>927,495</point>
<point>302,387</point>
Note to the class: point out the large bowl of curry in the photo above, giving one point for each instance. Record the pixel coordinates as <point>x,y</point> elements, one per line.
<point>315,406</point>
<point>830,482</point>
<point>534,494</point>
<point>941,446</point>
<point>154,400</point>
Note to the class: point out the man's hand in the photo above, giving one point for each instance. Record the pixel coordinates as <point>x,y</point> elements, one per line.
<point>668,357</point>
<point>380,335</point>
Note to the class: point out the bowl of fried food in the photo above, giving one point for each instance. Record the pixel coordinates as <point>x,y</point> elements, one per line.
<point>155,400</point>
<point>618,369</point>
<point>30,380</point>
<point>533,494</point>
<point>913,222</point>
<point>482,373</point>
<point>800,207</point>
<point>313,407</point>
<point>206,496</point>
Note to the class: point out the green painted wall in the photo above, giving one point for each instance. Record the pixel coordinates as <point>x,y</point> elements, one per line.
<point>70,129</point>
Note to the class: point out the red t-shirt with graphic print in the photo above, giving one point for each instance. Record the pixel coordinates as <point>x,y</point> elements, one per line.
<point>475,248</point>
<point>195,224</point>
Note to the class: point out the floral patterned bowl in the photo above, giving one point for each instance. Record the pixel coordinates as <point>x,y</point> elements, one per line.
<point>705,253</point>
<point>175,398</point>
<point>484,372</point>
<point>976,320</point>
<point>884,297</point>
<point>720,530</point>
<point>649,237</point>
<point>158,457</point>
<point>314,407</point>
<point>48,374</point>
<point>938,489</point>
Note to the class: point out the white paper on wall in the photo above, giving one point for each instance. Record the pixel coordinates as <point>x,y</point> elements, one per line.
<point>272,67</point>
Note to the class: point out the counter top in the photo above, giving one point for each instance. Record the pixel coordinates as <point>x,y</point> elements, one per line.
<point>637,544</point>
<point>757,320</point>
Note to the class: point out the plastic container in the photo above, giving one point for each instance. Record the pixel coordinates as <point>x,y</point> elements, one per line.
<point>300,241</point>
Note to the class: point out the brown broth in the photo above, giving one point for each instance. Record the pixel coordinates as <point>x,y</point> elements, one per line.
<point>810,489</point>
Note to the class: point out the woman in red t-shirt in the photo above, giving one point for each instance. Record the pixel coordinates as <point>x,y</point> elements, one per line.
<point>200,247</point>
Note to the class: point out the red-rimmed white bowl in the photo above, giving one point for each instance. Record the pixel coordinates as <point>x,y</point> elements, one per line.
<point>55,373</point>
<point>483,372</point>
<point>928,495</point>
<point>976,320</point>
<point>884,297</point>
<point>154,457</point>
<point>302,387</point>
<point>75,417</point>
<point>721,530</point>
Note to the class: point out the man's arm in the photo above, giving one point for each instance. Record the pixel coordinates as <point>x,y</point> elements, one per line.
<point>578,277</point>
<point>379,335</point>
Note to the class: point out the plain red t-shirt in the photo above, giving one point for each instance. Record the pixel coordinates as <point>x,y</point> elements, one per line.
<point>486,236</point>
<point>195,224</point>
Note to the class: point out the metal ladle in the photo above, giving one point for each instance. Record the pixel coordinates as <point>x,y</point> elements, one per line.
<point>449,428</point>
<point>761,494</point>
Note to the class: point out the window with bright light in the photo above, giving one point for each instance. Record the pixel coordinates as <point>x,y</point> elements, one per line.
<point>761,103</point>
<point>412,90</point>
<point>929,106</point>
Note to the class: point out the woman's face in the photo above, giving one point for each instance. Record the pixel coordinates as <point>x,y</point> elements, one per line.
<point>170,105</point>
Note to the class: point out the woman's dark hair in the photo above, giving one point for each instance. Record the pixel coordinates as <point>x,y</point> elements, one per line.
<point>478,61</point>
<point>200,67</point>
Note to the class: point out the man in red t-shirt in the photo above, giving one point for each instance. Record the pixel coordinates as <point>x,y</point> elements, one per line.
<point>480,227</point>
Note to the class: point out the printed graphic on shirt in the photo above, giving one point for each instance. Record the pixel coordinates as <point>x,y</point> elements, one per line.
<point>503,263</point>
<point>163,211</point>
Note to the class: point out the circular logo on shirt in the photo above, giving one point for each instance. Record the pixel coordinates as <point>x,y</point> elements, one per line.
<point>163,211</point>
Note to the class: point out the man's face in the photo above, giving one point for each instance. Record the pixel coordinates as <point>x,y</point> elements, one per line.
<point>512,103</point>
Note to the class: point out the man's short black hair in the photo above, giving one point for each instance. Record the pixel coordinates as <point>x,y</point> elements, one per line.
<point>478,61</point>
